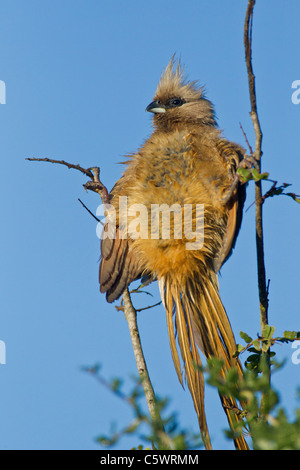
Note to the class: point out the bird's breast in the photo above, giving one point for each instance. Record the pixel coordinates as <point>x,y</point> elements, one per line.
<point>174,205</point>
<point>181,170</point>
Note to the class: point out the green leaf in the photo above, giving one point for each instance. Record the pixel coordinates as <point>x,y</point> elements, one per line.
<point>293,196</point>
<point>259,176</point>
<point>291,335</point>
<point>131,427</point>
<point>254,358</point>
<point>268,331</point>
<point>239,349</point>
<point>245,337</point>
<point>256,344</point>
<point>116,384</point>
<point>244,174</point>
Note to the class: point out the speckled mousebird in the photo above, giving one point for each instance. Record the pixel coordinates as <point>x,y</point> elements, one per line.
<point>185,162</point>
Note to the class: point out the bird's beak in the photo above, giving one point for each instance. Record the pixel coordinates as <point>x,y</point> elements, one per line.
<point>156,107</point>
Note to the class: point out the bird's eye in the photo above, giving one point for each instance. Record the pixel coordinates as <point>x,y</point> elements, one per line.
<point>175,102</point>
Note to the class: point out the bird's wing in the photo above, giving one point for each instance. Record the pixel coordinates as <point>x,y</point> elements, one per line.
<point>118,266</point>
<point>232,154</point>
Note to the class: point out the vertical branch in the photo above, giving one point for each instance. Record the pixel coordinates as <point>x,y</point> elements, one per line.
<point>262,285</point>
<point>131,318</point>
<point>261,270</point>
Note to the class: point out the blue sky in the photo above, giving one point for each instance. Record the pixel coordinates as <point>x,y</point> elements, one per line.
<point>79,75</point>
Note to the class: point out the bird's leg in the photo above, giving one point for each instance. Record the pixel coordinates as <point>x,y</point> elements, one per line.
<point>96,185</point>
<point>248,162</point>
<point>226,198</point>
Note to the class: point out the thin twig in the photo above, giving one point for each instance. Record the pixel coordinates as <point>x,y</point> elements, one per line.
<point>149,306</point>
<point>87,172</point>
<point>90,212</point>
<point>93,173</point>
<point>262,286</point>
<point>115,390</point>
<point>246,139</point>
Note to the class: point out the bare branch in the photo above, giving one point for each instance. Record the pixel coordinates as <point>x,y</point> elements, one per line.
<point>90,212</point>
<point>149,306</point>
<point>93,173</point>
<point>87,172</point>
<point>246,139</point>
<point>262,286</point>
<point>131,318</point>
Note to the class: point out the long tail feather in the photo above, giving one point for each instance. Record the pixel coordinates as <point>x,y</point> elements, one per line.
<point>190,356</point>
<point>200,320</point>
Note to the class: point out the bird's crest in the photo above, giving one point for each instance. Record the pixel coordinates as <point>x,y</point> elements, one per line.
<point>174,83</point>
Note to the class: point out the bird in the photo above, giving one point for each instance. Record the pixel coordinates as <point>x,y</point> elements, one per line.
<point>185,171</point>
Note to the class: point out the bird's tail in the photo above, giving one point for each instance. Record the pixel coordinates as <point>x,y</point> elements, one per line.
<point>200,321</point>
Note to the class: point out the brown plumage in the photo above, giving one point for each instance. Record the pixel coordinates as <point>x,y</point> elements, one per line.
<point>186,161</point>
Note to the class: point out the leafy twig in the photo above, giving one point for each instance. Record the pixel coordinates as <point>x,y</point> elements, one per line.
<point>262,344</point>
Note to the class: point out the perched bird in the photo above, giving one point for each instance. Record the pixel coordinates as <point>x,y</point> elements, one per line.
<point>175,215</point>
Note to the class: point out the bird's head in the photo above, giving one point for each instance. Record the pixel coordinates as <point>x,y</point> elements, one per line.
<point>178,101</point>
